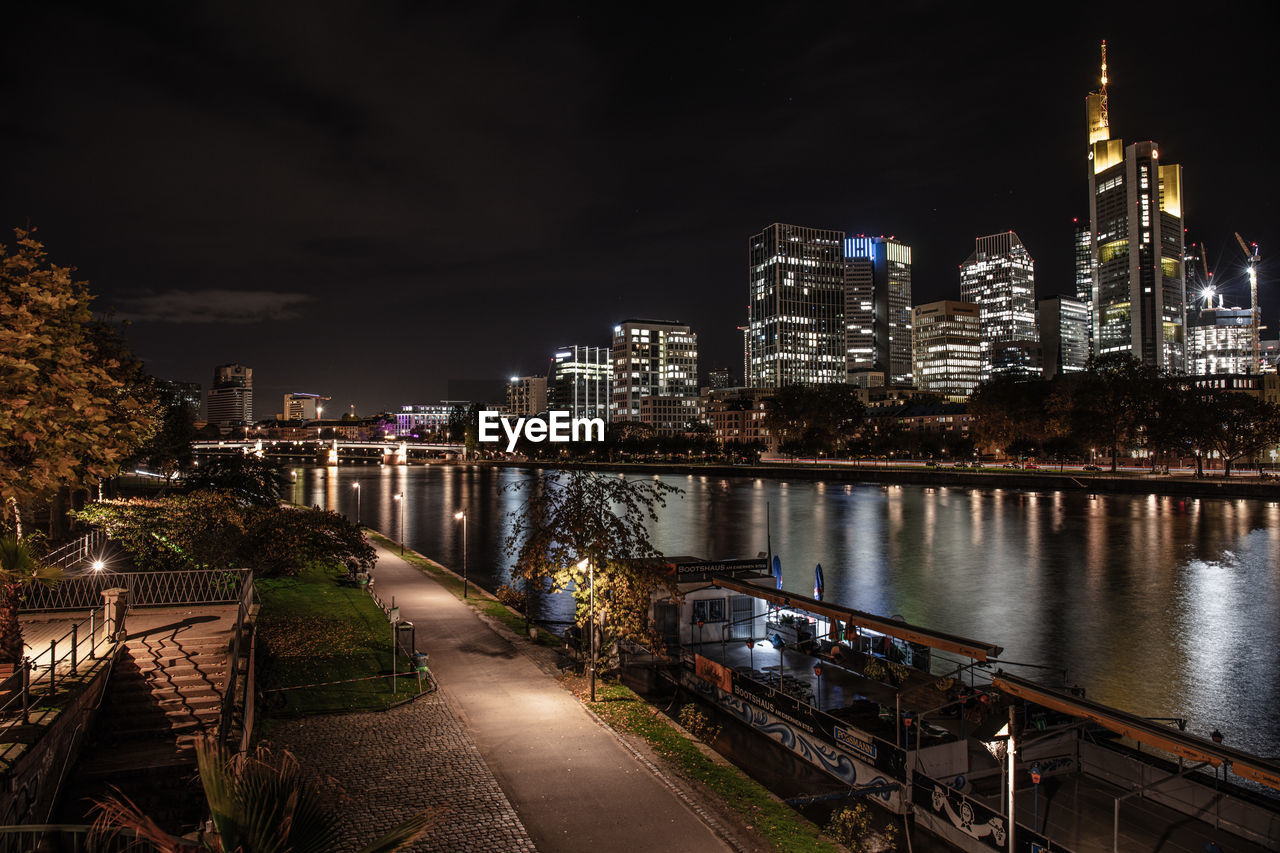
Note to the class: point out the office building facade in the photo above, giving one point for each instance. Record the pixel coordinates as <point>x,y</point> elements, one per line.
<point>652,358</point>
<point>1136,245</point>
<point>877,310</point>
<point>1220,341</point>
<point>580,381</point>
<point>946,352</point>
<point>1064,335</point>
<point>230,401</point>
<point>796,304</point>
<point>999,277</point>
<point>526,395</point>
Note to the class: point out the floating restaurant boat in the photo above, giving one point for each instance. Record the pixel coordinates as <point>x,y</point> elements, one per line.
<point>929,726</point>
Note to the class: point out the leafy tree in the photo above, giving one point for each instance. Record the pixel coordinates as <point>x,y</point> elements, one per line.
<point>1011,415</point>
<point>1236,425</point>
<point>216,530</point>
<point>263,802</point>
<point>1110,404</point>
<point>814,418</point>
<point>18,570</point>
<point>575,521</point>
<point>169,451</point>
<point>249,477</point>
<point>70,411</point>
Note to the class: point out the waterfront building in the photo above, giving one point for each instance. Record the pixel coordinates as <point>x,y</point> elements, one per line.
<point>1064,335</point>
<point>736,417</point>
<point>1136,245</point>
<point>652,358</point>
<point>719,377</point>
<point>526,395</point>
<point>1220,341</point>
<point>580,381</point>
<point>1269,361</point>
<point>1000,278</point>
<point>1084,274</point>
<point>428,421</point>
<point>946,353</point>
<point>796,304</point>
<point>231,396</point>
<point>301,407</point>
<point>878,309</point>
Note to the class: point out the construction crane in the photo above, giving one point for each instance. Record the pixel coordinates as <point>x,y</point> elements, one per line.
<point>1252,258</point>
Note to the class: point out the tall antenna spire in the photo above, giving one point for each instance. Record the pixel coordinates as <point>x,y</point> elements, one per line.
<point>1105,120</point>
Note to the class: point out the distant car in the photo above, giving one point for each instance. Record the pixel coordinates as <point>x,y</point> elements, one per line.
<point>961,465</point>
<point>1031,466</point>
<point>1092,468</point>
<point>931,464</point>
<point>1011,465</point>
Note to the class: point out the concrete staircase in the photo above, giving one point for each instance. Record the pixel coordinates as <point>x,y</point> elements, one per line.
<point>165,691</point>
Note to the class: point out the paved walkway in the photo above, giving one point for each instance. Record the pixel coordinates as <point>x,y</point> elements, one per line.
<point>574,786</point>
<point>393,764</point>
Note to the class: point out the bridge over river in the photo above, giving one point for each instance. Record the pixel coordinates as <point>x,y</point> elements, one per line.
<point>335,451</point>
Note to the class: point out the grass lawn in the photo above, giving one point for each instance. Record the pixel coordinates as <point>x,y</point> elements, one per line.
<point>317,628</point>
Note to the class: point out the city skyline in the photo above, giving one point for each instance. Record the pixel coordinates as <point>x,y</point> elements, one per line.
<point>542,178</point>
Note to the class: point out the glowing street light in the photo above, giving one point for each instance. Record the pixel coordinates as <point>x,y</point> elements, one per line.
<point>400,499</point>
<point>98,565</point>
<point>461,515</point>
<point>356,486</point>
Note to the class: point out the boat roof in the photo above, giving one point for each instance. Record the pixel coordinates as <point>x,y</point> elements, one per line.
<point>973,649</point>
<point>1191,747</point>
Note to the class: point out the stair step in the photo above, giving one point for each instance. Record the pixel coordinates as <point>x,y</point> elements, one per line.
<point>168,730</point>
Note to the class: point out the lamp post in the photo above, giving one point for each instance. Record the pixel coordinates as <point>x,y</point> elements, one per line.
<point>591,616</point>
<point>461,515</point>
<point>400,500</point>
<point>356,486</point>
<point>1035,780</point>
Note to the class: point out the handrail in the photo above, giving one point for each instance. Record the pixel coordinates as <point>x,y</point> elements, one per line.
<point>233,664</point>
<point>78,550</point>
<point>64,658</point>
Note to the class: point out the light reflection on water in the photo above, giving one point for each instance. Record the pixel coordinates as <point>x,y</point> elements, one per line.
<point>1162,606</point>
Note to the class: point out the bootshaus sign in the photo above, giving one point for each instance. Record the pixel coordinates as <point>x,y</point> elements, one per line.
<point>556,427</point>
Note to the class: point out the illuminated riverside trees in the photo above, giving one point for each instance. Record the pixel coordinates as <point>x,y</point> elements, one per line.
<point>72,404</point>
<point>577,523</point>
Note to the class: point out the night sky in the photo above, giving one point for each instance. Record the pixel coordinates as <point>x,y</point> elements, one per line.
<point>366,200</point>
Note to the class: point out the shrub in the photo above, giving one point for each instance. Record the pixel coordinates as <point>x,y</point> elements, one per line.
<point>855,827</point>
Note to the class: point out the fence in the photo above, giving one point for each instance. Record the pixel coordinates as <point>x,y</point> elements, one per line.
<point>67,838</point>
<point>193,586</point>
<point>86,549</point>
<point>37,676</point>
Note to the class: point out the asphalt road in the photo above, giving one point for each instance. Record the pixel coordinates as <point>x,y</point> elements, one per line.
<point>574,786</point>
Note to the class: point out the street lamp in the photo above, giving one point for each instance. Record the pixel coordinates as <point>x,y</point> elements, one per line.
<point>400,500</point>
<point>462,516</point>
<point>587,564</point>
<point>356,486</point>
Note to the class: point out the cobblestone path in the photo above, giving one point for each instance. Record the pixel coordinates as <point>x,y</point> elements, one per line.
<point>395,763</point>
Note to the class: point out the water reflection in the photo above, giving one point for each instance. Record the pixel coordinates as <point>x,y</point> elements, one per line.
<point>1163,606</point>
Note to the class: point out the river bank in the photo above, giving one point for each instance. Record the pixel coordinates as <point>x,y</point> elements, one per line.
<point>1043,480</point>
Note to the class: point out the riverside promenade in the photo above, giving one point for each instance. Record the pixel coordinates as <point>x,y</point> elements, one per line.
<point>573,785</point>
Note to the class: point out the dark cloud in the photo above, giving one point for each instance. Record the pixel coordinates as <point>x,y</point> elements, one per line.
<point>213,306</point>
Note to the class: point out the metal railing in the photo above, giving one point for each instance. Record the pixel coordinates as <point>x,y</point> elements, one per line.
<point>233,662</point>
<point>146,589</point>
<point>36,679</point>
<point>86,549</point>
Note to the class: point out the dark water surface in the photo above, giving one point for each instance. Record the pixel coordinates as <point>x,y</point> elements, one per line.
<point>1162,606</point>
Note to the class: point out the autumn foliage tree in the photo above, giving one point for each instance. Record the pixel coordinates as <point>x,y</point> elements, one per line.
<point>71,411</point>
<point>575,523</point>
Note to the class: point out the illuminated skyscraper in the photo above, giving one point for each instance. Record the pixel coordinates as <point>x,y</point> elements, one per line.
<point>1136,245</point>
<point>946,347</point>
<point>1064,335</point>
<point>796,304</point>
<point>877,310</point>
<point>1000,277</point>
<point>654,359</point>
<point>231,397</point>
<point>579,382</point>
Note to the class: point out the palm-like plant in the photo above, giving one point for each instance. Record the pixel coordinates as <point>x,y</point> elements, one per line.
<point>262,803</point>
<point>18,570</point>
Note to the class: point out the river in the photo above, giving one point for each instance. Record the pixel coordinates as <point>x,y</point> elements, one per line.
<point>1166,607</point>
